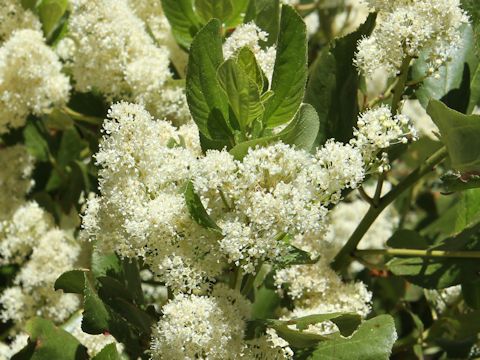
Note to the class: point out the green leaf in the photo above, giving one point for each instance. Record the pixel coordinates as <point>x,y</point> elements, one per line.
<point>110,288</point>
<point>35,141</point>
<point>58,120</point>
<point>343,110</point>
<point>120,274</point>
<point>207,101</point>
<point>183,20</point>
<point>468,210</point>
<point>218,9</point>
<point>238,12</point>
<point>50,12</point>
<point>456,333</point>
<point>265,304</point>
<point>113,302</point>
<point>407,239</point>
<point>247,61</point>
<point>109,352</point>
<point>373,340</point>
<point>71,145</point>
<point>106,265</point>
<point>452,84</point>
<point>440,272</point>
<point>473,9</point>
<point>290,70</point>
<point>131,273</point>
<point>295,338</point>
<point>460,182</point>
<point>132,314</point>
<point>196,209</point>
<point>460,134</point>
<point>29,4</point>
<point>347,323</point>
<point>50,342</point>
<point>471,294</point>
<point>72,281</point>
<point>299,339</point>
<point>294,256</point>
<point>301,132</point>
<point>96,316</point>
<point>266,14</point>
<point>242,92</point>
<point>320,90</point>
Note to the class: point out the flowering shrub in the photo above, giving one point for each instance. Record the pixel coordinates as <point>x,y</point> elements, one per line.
<point>239,179</point>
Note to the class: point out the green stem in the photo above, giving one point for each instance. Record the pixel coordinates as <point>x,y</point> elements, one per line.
<point>224,199</point>
<point>343,256</point>
<point>420,253</point>
<point>385,95</point>
<point>365,196</point>
<point>233,277</point>
<point>92,120</point>
<point>400,86</point>
<point>248,284</point>
<point>378,190</point>
<point>238,279</point>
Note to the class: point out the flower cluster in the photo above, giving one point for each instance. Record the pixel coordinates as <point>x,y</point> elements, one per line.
<point>31,79</point>
<point>13,16</point>
<point>405,28</point>
<point>29,239</point>
<point>317,289</point>
<point>114,54</point>
<point>273,191</point>
<point>275,197</point>
<point>202,327</point>
<point>377,129</point>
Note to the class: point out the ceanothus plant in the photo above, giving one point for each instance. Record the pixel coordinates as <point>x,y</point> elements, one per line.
<point>239,179</point>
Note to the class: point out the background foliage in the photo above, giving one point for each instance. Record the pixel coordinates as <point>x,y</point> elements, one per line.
<point>317,93</point>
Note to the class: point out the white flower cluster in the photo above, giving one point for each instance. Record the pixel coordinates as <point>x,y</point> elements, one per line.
<point>29,239</point>
<point>32,294</point>
<point>212,327</point>
<point>202,327</point>
<point>442,299</point>
<point>156,22</point>
<point>13,16</point>
<point>251,36</point>
<point>317,289</point>
<point>114,54</point>
<point>31,80</point>
<point>405,28</point>
<point>275,190</point>
<point>377,129</point>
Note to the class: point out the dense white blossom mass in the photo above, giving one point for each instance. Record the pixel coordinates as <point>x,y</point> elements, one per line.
<point>113,53</point>
<point>28,238</point>
<point>405,28</point>
<point>275,197</point>
<point>273,191</point>
<point>31,79</point>
<point>153,177</point>
<point>13,16</point>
